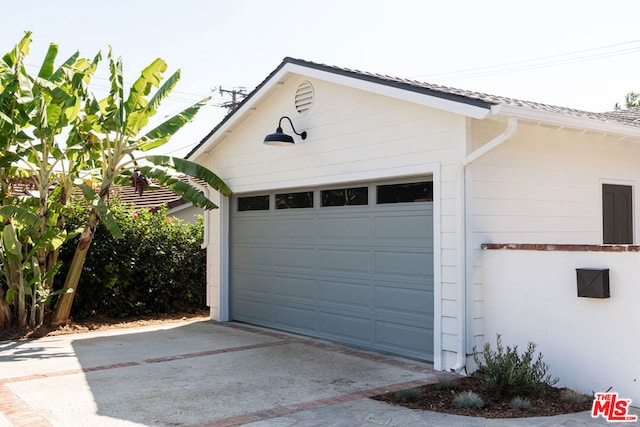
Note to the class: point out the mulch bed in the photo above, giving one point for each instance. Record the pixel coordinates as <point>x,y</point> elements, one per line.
<point>544,403</point>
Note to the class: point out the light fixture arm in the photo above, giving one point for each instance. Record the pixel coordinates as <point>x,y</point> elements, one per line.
<point>302,135</point>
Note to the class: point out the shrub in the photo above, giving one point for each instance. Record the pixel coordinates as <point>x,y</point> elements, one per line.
<point>409,395</point>
<point>468,399</point>
<point>521,404</point>
<point>572,396</point>
<point>158,267</point>
<point>447,382</point>
<point>504,372</point>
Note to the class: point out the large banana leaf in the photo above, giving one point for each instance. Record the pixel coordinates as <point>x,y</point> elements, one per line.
<point>192,169</point>
<point>105,214</point>
<point>46,70</point>
<point>11,244</point>
<point>23,216</point>
<point>21,50</point>
<point>138,119</point>
<point>161,134</point>
<point>179,187</point>
<point>137,102</point>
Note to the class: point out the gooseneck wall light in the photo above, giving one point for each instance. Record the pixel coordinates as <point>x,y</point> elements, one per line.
<point>280,138</point>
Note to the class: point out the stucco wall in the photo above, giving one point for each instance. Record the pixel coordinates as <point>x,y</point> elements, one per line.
<point>545,186</point>
<point>590,344</point>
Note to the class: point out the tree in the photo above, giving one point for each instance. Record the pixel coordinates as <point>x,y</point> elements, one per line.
<point>35,111</point>
<point>631,100</point>
<point>115,129</point>
<point>57,137</point>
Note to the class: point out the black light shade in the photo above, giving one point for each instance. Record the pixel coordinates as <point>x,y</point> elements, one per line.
<point>282,139</point>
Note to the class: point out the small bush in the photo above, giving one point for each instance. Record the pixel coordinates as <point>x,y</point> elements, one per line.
<point>521,404</point>
<point>409,395</point>
<point>504,372</point>
<point>468,399</point>
<point>447,382</point>
<point>572,396</point>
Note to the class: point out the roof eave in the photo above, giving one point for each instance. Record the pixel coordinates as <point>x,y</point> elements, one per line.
<point>563,120</point>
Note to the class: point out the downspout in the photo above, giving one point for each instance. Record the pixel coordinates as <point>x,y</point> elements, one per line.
<point>512,126</point>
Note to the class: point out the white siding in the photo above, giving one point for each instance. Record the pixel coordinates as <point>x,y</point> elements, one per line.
<point>545,186</point>
<point>352,136</point>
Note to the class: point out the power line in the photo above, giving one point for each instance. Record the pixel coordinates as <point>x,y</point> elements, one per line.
<point>584,55</point>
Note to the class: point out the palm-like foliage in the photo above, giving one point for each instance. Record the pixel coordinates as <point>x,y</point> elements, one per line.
<point>34,113</point>
<point>57,137</point>
<point>115,127</point>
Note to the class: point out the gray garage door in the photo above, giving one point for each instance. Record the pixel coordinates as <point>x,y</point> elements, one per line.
<point>352,264</point>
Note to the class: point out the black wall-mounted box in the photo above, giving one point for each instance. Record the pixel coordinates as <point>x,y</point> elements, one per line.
<point>593,282</point>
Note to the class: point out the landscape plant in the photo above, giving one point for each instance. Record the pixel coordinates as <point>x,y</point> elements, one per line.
<point>158,266</point>
<point>57,138</point>
<point>468,399</point>
<point>506,372</point>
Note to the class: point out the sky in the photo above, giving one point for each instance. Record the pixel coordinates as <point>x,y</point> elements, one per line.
<point>582,54</point>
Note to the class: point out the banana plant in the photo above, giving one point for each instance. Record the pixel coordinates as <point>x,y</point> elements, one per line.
<point>36,112</point>
<point>116,128</point>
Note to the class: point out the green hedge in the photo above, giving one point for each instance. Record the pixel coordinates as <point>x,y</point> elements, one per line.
<point>158,267</point>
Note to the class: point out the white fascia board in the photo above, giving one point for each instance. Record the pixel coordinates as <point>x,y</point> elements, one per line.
<point>462,108</point>
<point>563,120</point>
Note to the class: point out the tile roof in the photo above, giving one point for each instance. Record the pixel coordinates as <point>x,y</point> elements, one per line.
<point>620,117</point>
<point>626,117</point>
<point>153,196</point>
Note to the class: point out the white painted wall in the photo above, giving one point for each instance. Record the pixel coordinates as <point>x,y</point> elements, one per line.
<point>353,136</point>
<point>544,186</point>
<point>590,344</point>
<point>186,212</point>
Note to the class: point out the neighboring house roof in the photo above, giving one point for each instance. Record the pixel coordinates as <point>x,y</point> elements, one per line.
<point>150,198</point>
<point>625,121</point>
<point>153,196</point>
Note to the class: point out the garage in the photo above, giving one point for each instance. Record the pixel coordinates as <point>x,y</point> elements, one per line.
<point>351,263</point>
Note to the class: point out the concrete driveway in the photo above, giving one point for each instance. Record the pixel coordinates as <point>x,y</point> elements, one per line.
<point>201,373</point>
<point>213,374</point>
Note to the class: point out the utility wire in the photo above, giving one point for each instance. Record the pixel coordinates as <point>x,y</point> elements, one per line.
<point>584,55</point>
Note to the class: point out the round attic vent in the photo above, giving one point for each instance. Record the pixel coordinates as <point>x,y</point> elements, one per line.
<point>304,97</point>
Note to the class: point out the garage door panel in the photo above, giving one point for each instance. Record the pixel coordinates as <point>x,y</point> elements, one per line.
<point>350,327</point>
<point>251,283</point>
<point>294,229</point>
<point>252,256</point>
<point>294,288</point>
<point>403,228</point>
<point>403,300</point>
<point>404,263</point>
<point>294,258</point>
<point>252,230</point>
<point>347,296</point>
<point>253,311</point>
<point>360,274</point>
<point>336,260</point>
<point>344,229</point>
<point>412,339</point>
<point>300,319</point>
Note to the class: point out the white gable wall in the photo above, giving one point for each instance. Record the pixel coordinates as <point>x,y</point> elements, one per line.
<point>352,136</point>
<point>544,186</point>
